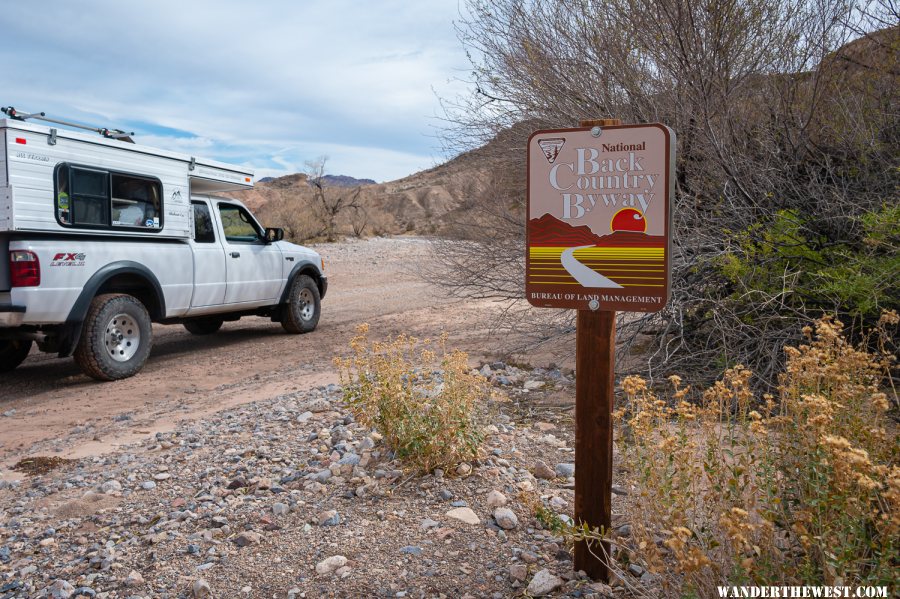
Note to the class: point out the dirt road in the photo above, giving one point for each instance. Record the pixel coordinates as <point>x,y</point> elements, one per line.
<point>49,407</point>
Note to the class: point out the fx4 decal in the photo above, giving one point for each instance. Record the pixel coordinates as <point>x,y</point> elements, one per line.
<point>68,259</point>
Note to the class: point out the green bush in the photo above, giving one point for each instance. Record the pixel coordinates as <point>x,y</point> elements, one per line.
<point>858,278</point>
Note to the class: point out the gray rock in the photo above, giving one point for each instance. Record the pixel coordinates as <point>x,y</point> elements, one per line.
<point>565,470</point>
<point>110,486</point>
<point>518,572</point>
<point>542,470</point>
<point>280,509</point>
<point>428,523</point>
<point>464,514</point>
<point>445,495</point>
<point>60,589</point>
<point>134,579</point>
<point>411,550</point>
<point>459,503</point>
<point>506,518</point>
<point>248,537</point>
<point>200,588</point>
<point>148,485</point>
<point>330,564</point>
<point>321,476</point>
<point>317,405</point>
<point>543,583</point>
<point>329,518</point>
<point>350,458</point>
<point>496,499</point>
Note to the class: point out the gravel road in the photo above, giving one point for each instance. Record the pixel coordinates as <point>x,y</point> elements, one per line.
<point>48,406</point>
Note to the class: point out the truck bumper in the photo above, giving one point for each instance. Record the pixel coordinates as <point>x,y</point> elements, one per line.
<point>11,316</point>
<point>324,282</point>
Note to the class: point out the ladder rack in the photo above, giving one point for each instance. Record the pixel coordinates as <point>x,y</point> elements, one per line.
<point>41,116</point>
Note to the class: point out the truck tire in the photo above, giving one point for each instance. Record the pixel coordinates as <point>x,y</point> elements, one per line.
<point>301,313</point>
<point>12,353</point>
<point>116,337</point>
<point>203,326</point>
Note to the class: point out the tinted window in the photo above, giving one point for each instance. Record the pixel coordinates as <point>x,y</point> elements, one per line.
<point>238,225</point>
<point>90,197</point>
<point>203,226</point>
<point>89,183</point>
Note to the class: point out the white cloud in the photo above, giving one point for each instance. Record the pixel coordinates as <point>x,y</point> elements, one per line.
<point>269,84</point>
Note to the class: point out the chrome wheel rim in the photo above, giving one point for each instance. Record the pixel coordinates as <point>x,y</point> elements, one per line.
<point>123,337</point>
<point>306,304</point>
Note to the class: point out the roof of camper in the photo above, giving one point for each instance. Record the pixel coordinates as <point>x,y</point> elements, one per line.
<point>217,173</point>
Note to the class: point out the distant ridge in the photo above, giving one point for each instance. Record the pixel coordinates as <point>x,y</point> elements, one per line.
<point>345,181</point>
<point>551,231</point>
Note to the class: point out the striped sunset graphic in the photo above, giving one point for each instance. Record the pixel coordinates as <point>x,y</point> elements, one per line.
<point>625,258</point>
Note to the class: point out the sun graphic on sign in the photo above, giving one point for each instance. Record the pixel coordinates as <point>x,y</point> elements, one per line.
<point>628,219</point>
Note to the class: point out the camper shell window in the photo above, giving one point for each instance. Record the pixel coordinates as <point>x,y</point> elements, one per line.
<point>100,199</point>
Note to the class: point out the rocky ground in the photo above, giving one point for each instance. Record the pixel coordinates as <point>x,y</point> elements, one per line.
<point>289,497</point>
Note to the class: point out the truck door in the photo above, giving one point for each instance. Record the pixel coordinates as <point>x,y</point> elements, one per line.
<point>209,260</point>
<point>253,267</point>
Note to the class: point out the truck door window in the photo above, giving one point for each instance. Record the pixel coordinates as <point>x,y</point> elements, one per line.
<point>203,226</point>
<point>135,202</point>
<point>238,225</point>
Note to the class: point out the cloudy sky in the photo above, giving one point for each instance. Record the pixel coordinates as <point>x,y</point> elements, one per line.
<point>269,84</point>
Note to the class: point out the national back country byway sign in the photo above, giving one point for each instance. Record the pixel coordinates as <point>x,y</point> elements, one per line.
<point>599,201</point>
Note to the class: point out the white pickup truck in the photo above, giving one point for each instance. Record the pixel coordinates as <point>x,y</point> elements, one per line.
<point>100,237</point>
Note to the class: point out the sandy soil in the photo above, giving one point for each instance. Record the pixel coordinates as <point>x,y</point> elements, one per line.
<point>51,407</point>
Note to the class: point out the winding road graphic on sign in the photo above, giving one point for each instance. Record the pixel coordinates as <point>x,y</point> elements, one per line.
<point>588,277</point>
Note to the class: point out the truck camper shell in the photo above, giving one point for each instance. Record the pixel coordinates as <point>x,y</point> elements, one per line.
<point>72,183</point>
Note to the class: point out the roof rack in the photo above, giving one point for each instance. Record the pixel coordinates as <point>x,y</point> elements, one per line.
<point>41,116</point>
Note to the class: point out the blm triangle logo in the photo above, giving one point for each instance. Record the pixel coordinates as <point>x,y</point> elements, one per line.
<point>551,147</point>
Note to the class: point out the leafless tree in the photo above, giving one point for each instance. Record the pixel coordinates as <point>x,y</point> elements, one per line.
<point>781,122</point>
<point>330,201</point>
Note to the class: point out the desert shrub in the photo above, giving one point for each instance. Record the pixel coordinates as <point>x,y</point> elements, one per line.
<point>419,395</point>
<point>786,116</point>
<point>799,488</point>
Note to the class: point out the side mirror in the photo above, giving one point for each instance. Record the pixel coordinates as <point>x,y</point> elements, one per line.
<point>274,234</point>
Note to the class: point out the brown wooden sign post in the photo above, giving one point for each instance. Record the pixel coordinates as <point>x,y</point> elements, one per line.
<point>598,240</point>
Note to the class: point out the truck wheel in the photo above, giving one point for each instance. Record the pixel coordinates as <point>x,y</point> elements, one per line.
<point>116,338</point>
<point>301,314</point>
<point>203,326</point>
<point>13,352</point>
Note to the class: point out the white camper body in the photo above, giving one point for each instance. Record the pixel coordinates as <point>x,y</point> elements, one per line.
<point>97,232</point>
<point>33,154</point>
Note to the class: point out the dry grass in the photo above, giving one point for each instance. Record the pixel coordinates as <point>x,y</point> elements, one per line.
<point>798,488</point>
<point>41,464</point>
<point>420,396</point>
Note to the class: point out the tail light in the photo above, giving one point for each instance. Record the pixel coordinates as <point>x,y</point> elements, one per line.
<point>24,269</point>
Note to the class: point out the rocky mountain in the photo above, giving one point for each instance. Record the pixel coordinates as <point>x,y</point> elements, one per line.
<point>421,202</point>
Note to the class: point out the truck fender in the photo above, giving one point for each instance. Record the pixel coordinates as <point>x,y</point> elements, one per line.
<point>70,332</point>
<point>303,265</point>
